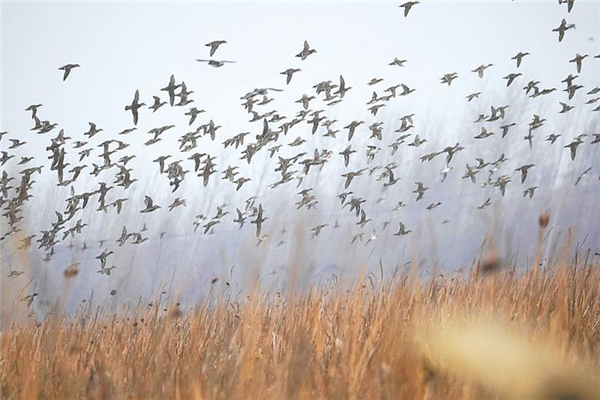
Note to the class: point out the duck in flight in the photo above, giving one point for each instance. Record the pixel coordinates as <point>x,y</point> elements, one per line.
<point>135,106</point>
<point>214,45</point>
<point>170,89</point>
<point>448,78</point>
<point>408,6</point>
<point>473,96</point>
<point>578,60</point>
<point>33,108</point>
<point>569,3</point>
<point>150,206</point>
<point>289,73</point>
<point>481,69</point>
<point>216,63</point>
<point>67,70</point>
<point>402,230</point>
<point>562,28</point>
<point>157,104</point>
<point>306,51</point>
<point>398,62</point>
<point>259,220</point>
<point>511,77</point>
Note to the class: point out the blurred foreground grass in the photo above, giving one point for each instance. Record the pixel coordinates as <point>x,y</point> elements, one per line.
<point>493,334</point>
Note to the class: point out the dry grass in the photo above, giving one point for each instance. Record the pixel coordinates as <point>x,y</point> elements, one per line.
<point>398,340</point>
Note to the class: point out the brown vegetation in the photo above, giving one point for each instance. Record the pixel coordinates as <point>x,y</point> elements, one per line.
<point>402,339</point>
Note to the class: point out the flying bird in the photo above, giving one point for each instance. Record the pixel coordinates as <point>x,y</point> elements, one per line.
<point>398,62</point>
<point>215,63</point>
<point>135,106</point>
<point>481,69</point>
<point>511,77</point>
<point>150,206</point>
<point>259,220</point>
<point>306,51</point>
<point>170,89</point>
<point>562,28</point>
<point>519,57</point>
<point>569,4</point>
<point>408,6</point>
<point>67,70</point>
<point>157,104</point>
<point>289,73</point>
<point>214,45</point>
<point>402,230</point>
<point>578,60</point>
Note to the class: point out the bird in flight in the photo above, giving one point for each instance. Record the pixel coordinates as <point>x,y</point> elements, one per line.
<point>259,220</point>
<point>215,63</point>
<point>157,104</point>
<point>562,28</point>
<point>135,106</point>
<point>289,73</point>
<point>398,62</point>
<point>150,206</point>
<point>170,89</point>
<point>573,148</point>
<point>569,4</point>
<point>420,190</point>
<point>481,69</point>
<point>448,78</point>
<point>578,60</point>
<point>473,96</point>
<point>519,57</point>
<point>306,51</point>
<point>214,45</point>
<point>67,69</point>
<point>511,77</point>
<point>524,169</point>
<point>402,230</point>
<point>408,6</point>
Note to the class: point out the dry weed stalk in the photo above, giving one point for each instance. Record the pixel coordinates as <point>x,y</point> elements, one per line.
<point>330,343</point>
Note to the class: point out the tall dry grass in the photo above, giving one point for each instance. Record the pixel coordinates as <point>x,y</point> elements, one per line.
<point>397,338</point>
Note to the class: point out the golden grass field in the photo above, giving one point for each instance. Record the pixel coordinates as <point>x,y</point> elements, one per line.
<point>405,339</point>
<point>491,333</point>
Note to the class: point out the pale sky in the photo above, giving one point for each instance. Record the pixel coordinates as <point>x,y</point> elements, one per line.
<point>137,46</point>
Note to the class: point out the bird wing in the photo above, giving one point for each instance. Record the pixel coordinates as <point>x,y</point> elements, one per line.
<point>348,180</point>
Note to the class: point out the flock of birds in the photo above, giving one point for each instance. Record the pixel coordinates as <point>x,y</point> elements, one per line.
<point>271,137</point>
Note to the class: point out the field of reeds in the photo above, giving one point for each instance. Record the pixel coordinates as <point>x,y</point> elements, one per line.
<point>488,333</point>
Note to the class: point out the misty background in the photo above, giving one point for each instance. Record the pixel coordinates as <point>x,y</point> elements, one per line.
<point>137,46</point>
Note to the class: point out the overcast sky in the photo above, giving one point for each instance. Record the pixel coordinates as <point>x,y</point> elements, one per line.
<point>124,47</point>
<point>137,46</point>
